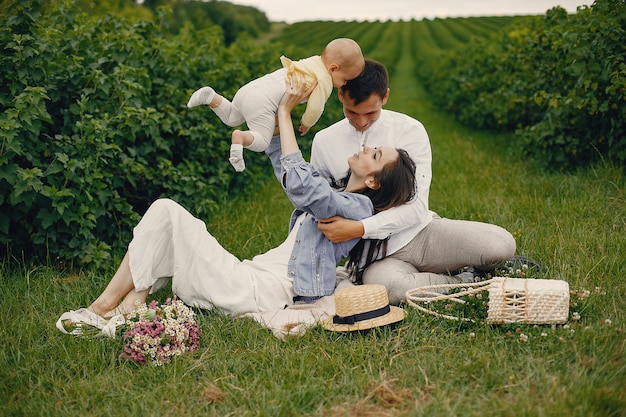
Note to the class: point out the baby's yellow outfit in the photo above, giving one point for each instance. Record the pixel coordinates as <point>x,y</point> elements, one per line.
<point>313,69</point>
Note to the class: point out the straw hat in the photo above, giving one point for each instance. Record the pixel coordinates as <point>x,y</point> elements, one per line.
<point>362,307</point>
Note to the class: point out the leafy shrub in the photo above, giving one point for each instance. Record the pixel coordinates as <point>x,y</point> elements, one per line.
<point>94,126</point>
<point>559,80</point>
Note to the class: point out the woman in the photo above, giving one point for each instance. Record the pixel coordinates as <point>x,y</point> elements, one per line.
<point>170,242</point>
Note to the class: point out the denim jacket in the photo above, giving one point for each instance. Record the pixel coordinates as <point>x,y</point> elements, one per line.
<point>314,258</point>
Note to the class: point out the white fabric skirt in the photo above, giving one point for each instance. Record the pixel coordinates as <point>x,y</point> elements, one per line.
<point>170,243</point>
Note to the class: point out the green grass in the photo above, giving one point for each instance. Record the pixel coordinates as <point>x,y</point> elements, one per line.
<point>573,223</point>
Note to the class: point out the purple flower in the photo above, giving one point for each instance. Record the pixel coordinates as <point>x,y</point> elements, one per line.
<point>158,333</point>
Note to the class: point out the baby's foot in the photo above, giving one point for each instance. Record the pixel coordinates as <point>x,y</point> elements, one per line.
<point>236,157</point>
<point>202,96</point>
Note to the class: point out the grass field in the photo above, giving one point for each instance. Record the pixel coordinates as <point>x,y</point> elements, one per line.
<point>573,223</point>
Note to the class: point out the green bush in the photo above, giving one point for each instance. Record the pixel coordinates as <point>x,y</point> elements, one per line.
<point>559,80</point>
<point>94,126</point>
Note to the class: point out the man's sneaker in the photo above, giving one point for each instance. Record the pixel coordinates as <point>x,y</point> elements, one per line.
<point>521,264</point>
<point>470,275</point>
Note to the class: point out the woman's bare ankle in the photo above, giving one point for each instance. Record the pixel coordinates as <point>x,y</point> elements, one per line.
<point>100,307</point>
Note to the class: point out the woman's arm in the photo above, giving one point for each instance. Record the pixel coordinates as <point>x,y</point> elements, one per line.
<point>304,187</point>
<point>295,92</point>
<point>286,143</point>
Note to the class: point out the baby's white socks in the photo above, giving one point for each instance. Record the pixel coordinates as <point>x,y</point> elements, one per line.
<point>226,112</point>
<point>202,96</point>
<point>236,157</point>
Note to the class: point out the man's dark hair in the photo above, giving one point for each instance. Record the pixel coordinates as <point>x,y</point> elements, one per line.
<point>374,79</point>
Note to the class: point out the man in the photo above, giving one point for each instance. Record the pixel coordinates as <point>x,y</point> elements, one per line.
<point>422,248</point>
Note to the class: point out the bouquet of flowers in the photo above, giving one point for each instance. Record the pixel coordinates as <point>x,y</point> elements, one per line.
<point>158,333</point>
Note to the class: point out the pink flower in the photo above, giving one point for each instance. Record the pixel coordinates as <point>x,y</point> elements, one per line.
<point>158,333</point>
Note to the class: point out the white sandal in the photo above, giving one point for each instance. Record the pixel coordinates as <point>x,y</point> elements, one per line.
<point>111,327</point>
<point>80,318</point>
<point>87,323</point>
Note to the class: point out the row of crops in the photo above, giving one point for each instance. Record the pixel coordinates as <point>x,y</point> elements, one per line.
<point>383,41</point>
<point>556,81</point>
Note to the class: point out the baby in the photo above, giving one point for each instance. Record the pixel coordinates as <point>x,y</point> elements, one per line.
<point>256,103</point>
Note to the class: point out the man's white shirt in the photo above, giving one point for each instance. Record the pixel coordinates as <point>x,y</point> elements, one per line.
<point>333,146</point>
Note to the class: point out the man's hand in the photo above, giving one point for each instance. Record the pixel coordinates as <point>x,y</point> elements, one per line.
<point>338,229</point>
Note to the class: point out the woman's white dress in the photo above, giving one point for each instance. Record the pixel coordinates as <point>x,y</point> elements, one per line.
<point>170,242</point>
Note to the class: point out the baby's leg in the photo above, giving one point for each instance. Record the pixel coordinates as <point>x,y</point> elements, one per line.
<point>258,102</point>
<point>256,139</point>
<point>239,141</point>
<point>224,109</point>
<point>203,96</point>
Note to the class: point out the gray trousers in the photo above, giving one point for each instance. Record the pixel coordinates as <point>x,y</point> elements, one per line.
<point>440,250</point>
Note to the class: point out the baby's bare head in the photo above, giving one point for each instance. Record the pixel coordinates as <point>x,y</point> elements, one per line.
<point>344,52</point>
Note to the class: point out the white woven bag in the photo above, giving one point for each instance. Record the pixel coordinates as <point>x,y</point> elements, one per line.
<point>511,300</point>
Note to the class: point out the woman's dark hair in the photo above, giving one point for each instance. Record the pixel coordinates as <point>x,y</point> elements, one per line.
<point>397,183</point>
<point>398,186</point>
